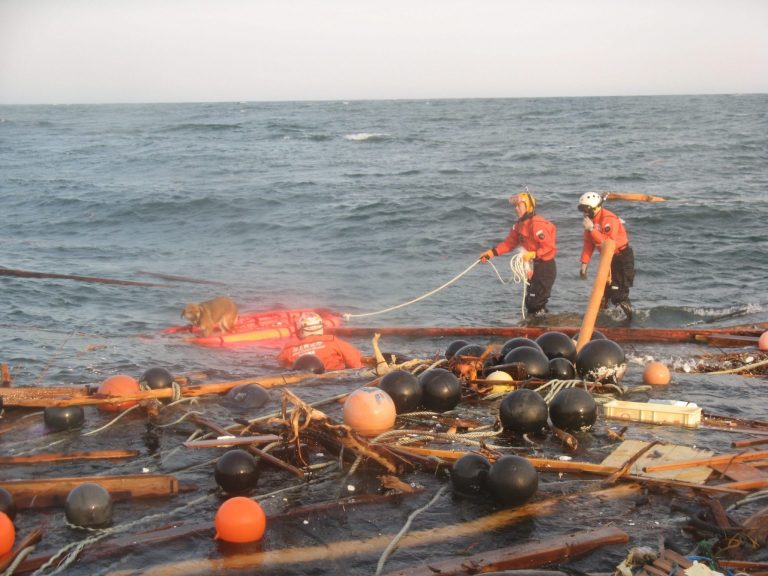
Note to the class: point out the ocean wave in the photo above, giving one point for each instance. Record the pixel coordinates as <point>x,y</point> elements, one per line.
<point>367,136</point>
<point>200,127</point>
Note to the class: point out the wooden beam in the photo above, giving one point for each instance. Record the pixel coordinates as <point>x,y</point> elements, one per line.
<point>54,491</point>
<point>68,457</point>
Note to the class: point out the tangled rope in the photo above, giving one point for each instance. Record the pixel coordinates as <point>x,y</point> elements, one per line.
<point>430,293</point>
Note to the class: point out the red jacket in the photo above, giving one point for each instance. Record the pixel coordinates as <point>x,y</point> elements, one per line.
<point>334,353</point>
<point>534,233</point>
<point>606,225</point>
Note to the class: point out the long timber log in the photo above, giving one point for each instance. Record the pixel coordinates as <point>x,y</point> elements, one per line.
<point>615,334</point>
<point>54,491</point>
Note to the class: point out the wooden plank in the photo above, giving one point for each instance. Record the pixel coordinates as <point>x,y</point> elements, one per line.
<point>54,491</point>
<point>665,453</point>
<point>739,471</point>
<point>720,459</point>
<point>232,441</point>
<point>68,457</point>
<point>728,340</point>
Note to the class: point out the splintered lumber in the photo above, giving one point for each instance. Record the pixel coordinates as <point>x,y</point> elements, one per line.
<point>661,453</point>
<point>336,550</point>
<point>529,555</point>
<point>54,491</point>
<point>617,334</point>
<point>721,459</point>
<point>598,290</point>
<point>229,440</point>
<point>61,457</point>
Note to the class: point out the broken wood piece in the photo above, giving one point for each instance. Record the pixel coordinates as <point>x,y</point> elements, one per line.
<point>628,464</point>
<point>721,459</point>
<point>211,425</point>
<point>332,551</point>
<point>70,456</point>
<point>661,453</point>
<point>54,491</point>
<point>529,555</point>
<point>231,441</point>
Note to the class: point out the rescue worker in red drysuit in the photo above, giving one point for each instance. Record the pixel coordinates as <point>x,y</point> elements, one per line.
<point>537,237</point>
<point>599,224</point>
<point>334,353</point>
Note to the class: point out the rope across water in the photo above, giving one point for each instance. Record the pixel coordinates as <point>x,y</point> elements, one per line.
<point>519,275</point>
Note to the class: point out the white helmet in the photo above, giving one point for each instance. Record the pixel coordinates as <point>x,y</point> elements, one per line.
<point>310,324</point>
<point>589,202</point>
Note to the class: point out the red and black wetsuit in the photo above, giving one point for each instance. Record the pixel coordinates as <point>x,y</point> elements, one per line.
<point>535,234</point>
<point>608,225</point>
<point>334,353</point>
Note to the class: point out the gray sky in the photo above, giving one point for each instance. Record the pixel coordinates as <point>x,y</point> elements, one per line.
<point>67,51</point>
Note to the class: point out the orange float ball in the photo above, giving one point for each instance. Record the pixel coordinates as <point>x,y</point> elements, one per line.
<point>120,385</point>
<point>240,520</point>
<point>762,342</point>
<point>369,411</point>
<point>656,374</point>
<point>7,534</point>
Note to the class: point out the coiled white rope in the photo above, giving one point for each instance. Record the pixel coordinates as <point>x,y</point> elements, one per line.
<point>430,293</point>
<point>519,269</point>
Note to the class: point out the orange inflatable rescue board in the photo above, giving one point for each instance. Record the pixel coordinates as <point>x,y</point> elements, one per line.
<point>269,329</point>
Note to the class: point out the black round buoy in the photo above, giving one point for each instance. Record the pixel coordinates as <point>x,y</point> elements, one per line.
<point>557,345</point>
<point>512,480</point>
<point>404,389</point>
<point>561,369</point>
<point>440,390</point>
<point>524,412</point>
<point>308,363</point>
<point>516,343</point>
<point>58,418</point>
<point>535,361</point>
<point>596,335</point>
<point>453,347</point>
<point>7,505</point>
<point>156,378</point>
<point>248,396</point>
<point>468,473</point>
<point>236,471</point>
<point>601,361</point>
<point>573,409</point>
<point>89,505</point>
<point>470,350</point>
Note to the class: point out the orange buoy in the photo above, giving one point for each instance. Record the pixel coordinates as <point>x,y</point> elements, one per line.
<point>369,411</point>
<point>240,520</point>
<point>762,342</point>
<point>656,374</point>
<point>7,534</point>
<point>120,385</point>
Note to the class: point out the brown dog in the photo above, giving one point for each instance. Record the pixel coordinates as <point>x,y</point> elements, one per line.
<point>221,312</point>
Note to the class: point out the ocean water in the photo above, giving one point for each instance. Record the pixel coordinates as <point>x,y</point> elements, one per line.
<point>359,206</point>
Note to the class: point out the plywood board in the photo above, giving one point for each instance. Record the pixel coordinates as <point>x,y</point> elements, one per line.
<point>661,453</point>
